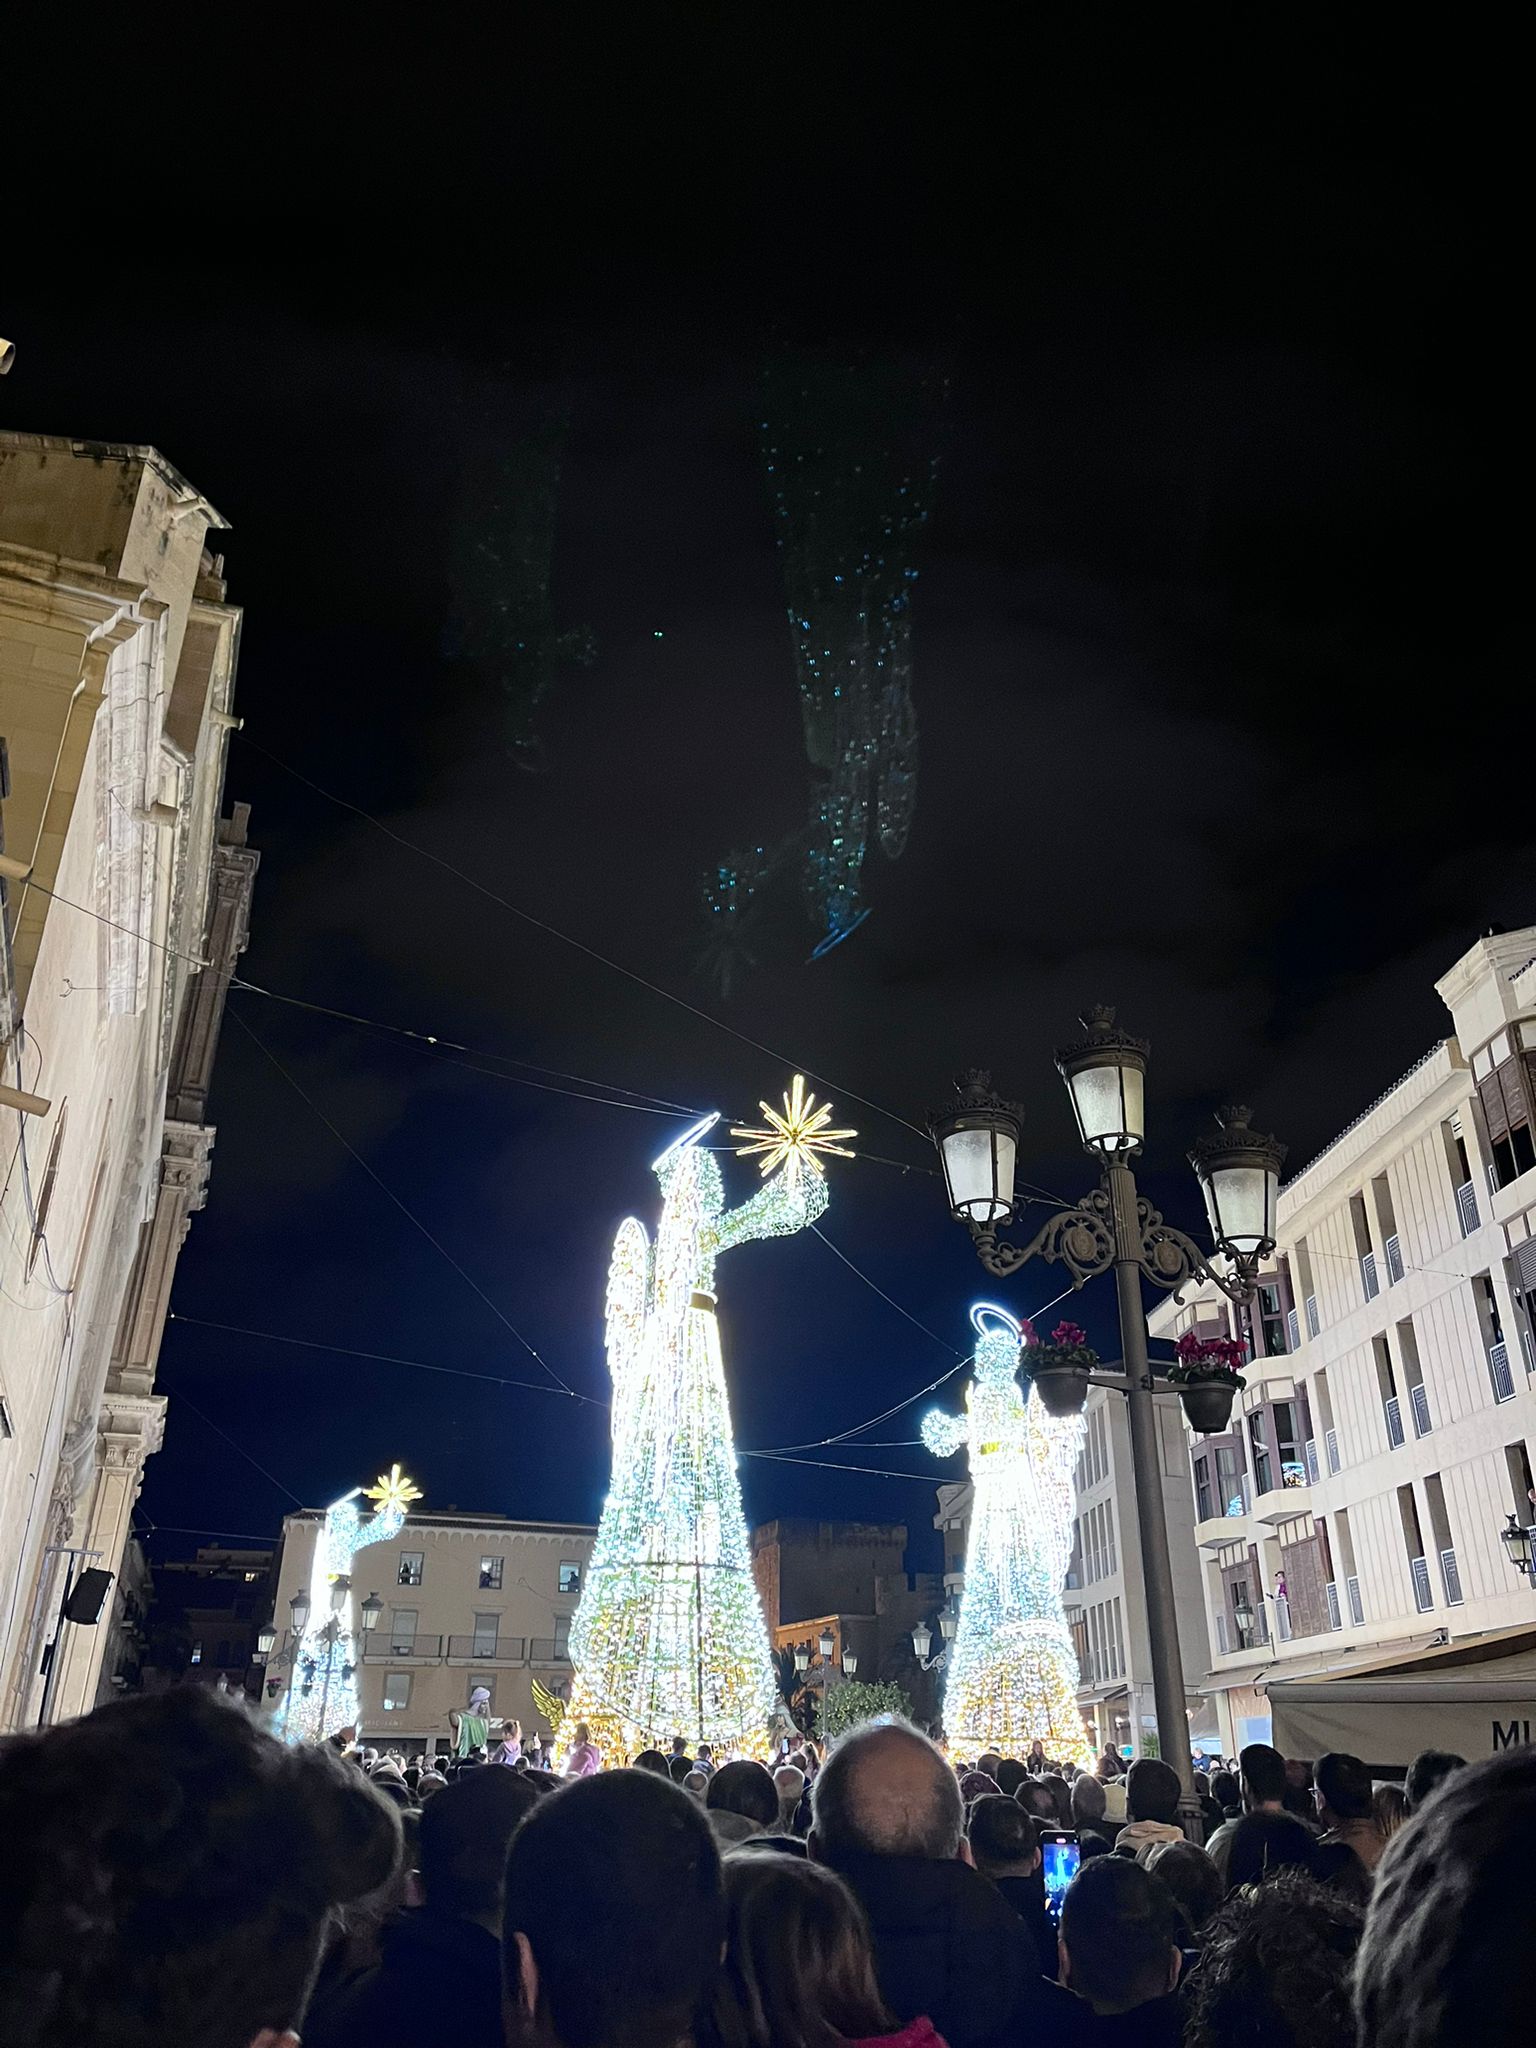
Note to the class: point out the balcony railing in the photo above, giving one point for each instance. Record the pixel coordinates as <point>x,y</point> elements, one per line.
<point>1450,1578</point>
<point>1292,1330</point>
<point>488,1649</point>
<point>1312,1460</point>
<point>1356,1604</point>
<point>1368,1279</point>
<point>1283,1620</point>
<point>1466,1208</point>
<point>1418,1395</point>
<point>545,1650</point>
<point>1423,1597</point>
<point>380,1648</point>
<point>1499,1372</point>
<point>1314,1323</point>
<point>1331,1595</point>
<point>1331,1448</point>
<point>1394,1261</point>
<point>1394,1417</point>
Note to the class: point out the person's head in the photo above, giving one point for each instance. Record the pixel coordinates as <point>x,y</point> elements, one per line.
<point>1263,1775</point>
<point>988,1762</point>
<point>429,1784</point>
<point>1010,1775</point>
<point>1275,1968</point>
<point>706,1754</point>
<point>653,1761</point>
<point>1087,1801</point>
<point>1427,1773</point>
<point>696,1782</point>
<point>463,1843</point>
<point>1061,1792</point>
<point>885,1790</point>
<point>621,1950</point>
<point>1226,1789</point>
<point>1190,1875</point>
<point>582,1734</point>
<point>799,1967</point>
<point>1265,1842</point>
<point>172,1874</point>
<point>1038,1801</point>
<point>1037,1749</point>
<point>679,1766</point>
<point>479,1699</point>
<point>1002,1837</point>
<point>1389,1806</point>
<point>679,1745</point>
<point>745,1788</point>
<point>1343,1788</point>
<point>976,1785</point>
<point>1152,1790</point>
<point>1445,1960</point>
<point>1119,1935</point>
<point>789,1784</point>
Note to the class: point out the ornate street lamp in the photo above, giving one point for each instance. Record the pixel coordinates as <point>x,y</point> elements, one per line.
<point>1242,1614</point>
<point>978,1145</point>
<point>1115,1229</point>
<point>298,1611</point>
<point>341,1586</point>
<point>922,1641</point>
<point>802,1657</point>
<point>947,1623</point>
<point>826,1645</point>
<point>266,1641</point>
<point>369,1613</point>
<point>850,1663</point>
<point>1517,1546</point>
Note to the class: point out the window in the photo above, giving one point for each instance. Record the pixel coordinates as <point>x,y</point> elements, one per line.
<point>490,1574</point>
<point>397,1691</point>
<point>1262,1475</point>
<point>1203,1508</point>
<point>197,1654</point>
<point>487,1628</point>
<point>1505,1096</point>
<point>410,1568</point>
<point>478,1679</point>
<point>562,1635</point>
<point>1229,1479</point>
<point>402,1631</point>
<point>570,1578</point>
<point>46,1186</point>
<point>1272,1320</point>
<point>251,1578</point>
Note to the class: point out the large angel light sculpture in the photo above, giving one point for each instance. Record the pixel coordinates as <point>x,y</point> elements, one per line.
<point>669,1637</point>
<point>322,1692</point>
<point>1011,1672</point>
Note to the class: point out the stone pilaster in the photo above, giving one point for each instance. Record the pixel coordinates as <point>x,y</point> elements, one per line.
<point>182,1191</point>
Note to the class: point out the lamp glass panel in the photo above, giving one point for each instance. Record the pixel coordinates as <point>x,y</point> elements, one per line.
<point>968,1168</point>
<point>1109,1116</point>
<point>1243,1199</point>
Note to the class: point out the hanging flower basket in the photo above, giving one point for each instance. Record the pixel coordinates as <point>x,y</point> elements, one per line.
<point>1060,1369</point>
<point>1206,1373</point>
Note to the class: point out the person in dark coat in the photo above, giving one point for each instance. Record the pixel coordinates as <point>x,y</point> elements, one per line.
<point>1006,1850</point>
<point>887,1816</point>
<point>439,1982</point>
<point>1120,1949</point>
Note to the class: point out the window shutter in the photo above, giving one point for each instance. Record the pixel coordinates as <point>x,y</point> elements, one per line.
<point>1495,1113</point>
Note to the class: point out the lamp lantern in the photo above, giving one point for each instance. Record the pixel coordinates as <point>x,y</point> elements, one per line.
<point>802,1656</point>
<point>850,1663</point>
<point>1517,1545</point>
<point>298,1611</point>
<point>826,1644</point>
<point>947,1624</point>
<point>922,1641</point>
<point>1106,1073</point>
<point>370,1611</point>
<point>1239,1173</point>
<point>341,1586</point>
<point>978,1143</point>
<point>266,1640</point>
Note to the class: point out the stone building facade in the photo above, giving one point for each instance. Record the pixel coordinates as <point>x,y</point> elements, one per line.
<point>123,906</point>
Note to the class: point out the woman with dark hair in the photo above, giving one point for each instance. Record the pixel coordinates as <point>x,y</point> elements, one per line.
<point>1276,1968</point>
<point>799,1968</point>
<point>1265,1843</point>
<point>1227,1791</point>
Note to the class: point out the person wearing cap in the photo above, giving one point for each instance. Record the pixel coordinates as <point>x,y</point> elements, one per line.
<point>471,1726</point>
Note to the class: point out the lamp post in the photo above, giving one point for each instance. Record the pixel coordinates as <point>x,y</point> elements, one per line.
<point>1115,1229</point>
<point>1519,1546</point>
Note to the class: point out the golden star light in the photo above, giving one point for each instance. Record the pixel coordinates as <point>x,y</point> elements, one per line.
<point>392,1490</point>
<point>794,1136</point>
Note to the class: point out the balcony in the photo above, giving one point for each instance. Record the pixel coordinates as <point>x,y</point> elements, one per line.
<point>1394,1261</point>
<point>1499,1372</point>
<point>1331,1448</point>
<point>486,1649</point>
<point>1423,1597</point>
<point>545,1650</point>
<point>1466,1208</point>
<point>1290,1497</point>
<point>1393,1415</point>
<point>386,1649</point>
<point>1230,1526</point>
<point>1450,1578</point>
<point>1418,1397</point>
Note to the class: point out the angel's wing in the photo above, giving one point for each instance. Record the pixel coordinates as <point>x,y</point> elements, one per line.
<point>629,1272</point>
<point>944,1434</point>
<point>547,1704</point>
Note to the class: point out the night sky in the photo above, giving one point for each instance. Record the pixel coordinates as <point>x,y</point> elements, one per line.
<point>1202,620</point>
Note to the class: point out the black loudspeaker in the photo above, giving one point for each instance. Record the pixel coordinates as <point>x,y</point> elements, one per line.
<point>87,1594</point>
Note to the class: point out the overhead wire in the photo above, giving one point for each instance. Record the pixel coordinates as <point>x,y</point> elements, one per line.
<point>185,1400</point>
<point>817,1231</point>
<point>501,1316</point>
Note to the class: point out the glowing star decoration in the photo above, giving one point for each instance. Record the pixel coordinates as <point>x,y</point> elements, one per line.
<point>795,1137</point>
<point>1011,1672</point>
<point>392,1490</point>
<point>669,1637</point>
<point>322,1685</point>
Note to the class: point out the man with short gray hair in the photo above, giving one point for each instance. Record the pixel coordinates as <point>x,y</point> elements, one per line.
<point>888,1818</point>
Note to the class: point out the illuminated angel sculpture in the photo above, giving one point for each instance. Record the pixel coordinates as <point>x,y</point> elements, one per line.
<point>1011,1670</point>
<point>669,1638</point>
<point>322,1691</point>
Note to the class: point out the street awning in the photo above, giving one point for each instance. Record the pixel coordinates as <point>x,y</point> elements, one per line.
<point>1473,1698</point>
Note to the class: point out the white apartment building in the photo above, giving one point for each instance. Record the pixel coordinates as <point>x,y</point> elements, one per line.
<point>1387,1428</point>
<point>123,901</point>
<point>467,1600</point>
<point>1105,1594</point>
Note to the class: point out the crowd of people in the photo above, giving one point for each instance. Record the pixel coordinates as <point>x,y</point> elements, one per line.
<point>176,1876</point>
